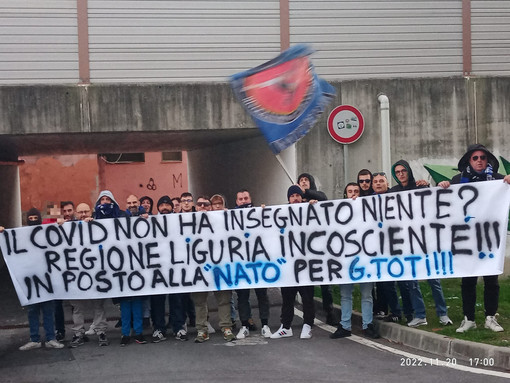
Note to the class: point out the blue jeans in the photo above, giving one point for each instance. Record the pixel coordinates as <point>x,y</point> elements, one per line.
<point>437,294</point>
<point>131,308</point>
<point>47,309</point>
<point>417,299</point>
<point>366,304</point>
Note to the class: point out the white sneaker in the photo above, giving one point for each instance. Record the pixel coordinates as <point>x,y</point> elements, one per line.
<point>30,346</point>
<point>90,331</point>
<point>266,331</point>
<point>210,329</point>
<point>243,333</point>
<point>445,320</point>
<point>466,325</point>
<point>53,344</point>
<point>282,333</point>
<point>306,332</point>
<point>492,324</point>
<point>418,322</point>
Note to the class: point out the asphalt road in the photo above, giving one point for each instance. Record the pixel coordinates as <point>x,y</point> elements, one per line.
<point>254,359</point>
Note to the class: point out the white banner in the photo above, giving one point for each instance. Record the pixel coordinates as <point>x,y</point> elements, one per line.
<point>420,234</point>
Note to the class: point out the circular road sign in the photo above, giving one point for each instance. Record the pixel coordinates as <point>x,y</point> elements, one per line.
<point>345,124</point>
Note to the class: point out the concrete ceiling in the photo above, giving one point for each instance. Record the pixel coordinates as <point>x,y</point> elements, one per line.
<point>117,142</point>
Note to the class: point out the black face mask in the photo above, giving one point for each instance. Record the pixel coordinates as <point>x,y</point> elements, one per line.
<point>245,206</point>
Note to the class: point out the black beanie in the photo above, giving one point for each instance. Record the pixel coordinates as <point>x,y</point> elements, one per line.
<point>165,199</point>
<point>293,190</point>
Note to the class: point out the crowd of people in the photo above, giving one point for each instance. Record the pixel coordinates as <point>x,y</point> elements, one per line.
<point>378,300</point>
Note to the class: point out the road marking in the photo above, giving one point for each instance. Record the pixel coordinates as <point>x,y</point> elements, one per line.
<point>382,347</point>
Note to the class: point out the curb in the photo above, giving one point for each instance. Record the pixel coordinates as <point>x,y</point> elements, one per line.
<point>440,345</point>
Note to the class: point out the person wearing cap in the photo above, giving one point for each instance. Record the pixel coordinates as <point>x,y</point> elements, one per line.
<point>478,164</point>
<point>295,195</point>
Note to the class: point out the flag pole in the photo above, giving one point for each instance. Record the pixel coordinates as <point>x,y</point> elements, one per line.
<point>282,164</point>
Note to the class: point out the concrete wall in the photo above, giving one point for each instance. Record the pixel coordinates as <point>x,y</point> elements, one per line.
<point>431,122</point>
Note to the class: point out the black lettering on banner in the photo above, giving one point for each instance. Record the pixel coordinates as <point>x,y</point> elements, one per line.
<point>109,259</point>
<point>144,230</point>
<point>100,278</point>
<point>292,242</point>
<point>439,203</point>
<point>120,276</point>
<point>68,277</point>
<point>371,209</point>
<point>32,237</point>
<point>118,227</point>
<point>53,241</point>
<point>325,206</point>
<point>401,207</point>
<point>334,268</point>
<point>94,226</point>
<point>194,252</point>
<point>204,224</point>
<point>157,278</point>
<point>52,257</point>
<point>8,242</point>
<point>151,256</point>
<point>299,265</point>
<point>438,227</point>
<point>338,213</point>
<point>68,238</point>
<point>473,198</point>
<point>258,248</point>
<point>312,236</point>
<point>84,276</point>
<point>392,231</point>
<point>280,221</point>
<point>38,284</point>
<point>133,256</point>
<point>315,267</point>
<point>69,259</point>
<point>329,246</point>
<point>422,193</point>
<point>15,244</point>
<point>363,241</point>
<point>388,207</point>
<point>296,218</point>
<point>163,230</point>
<point>183,224</point>
<point>266,217</point>
<point>199,277</point>
<point>234,244</point>
<point>455,239</point>
<point>421,241</point>
<point>132,282</point>
<point>87,262</point>
<point>352,242</point>
<point>251,217</point>
<point>312,215</point>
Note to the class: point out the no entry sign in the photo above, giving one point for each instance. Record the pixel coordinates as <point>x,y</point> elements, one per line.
<point>345,124</point>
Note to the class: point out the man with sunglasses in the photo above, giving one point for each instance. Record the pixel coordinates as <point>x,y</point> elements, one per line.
<point>365,182</point>
<point>403,174</point>
<point>478,164</point>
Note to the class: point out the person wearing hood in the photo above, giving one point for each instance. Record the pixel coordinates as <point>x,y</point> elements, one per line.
<point>147,203</point>
<point>307,184</point>
<point>478,164</point>
<point>47,308</point>
<point>130,307</point>
<point>403,174</point>
<point>107,207</point>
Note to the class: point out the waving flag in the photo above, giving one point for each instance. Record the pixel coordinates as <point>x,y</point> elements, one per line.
<point>284,96</point>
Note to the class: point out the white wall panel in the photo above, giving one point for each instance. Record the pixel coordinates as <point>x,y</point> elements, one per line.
<point>180,41</point>
<point>370,39</point>
<point>38,42</point>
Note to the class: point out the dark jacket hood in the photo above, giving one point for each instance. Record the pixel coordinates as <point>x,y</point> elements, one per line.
<point>491,159</point>
<point>313,186</point>
<point>151,202</point>
<point>411,184</point>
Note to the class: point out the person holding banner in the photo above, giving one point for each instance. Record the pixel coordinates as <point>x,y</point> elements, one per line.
<point>223,297</point>
<point>403,174</point>
<point>243,200</point>
<point>476,165</point>
<point>352,190</point>
<point>295,195</point>
<point>307,184</point>
<point>365,182</point>
<point>47,308</point>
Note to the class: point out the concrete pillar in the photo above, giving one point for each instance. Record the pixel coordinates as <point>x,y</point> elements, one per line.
<point>10,203</point>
